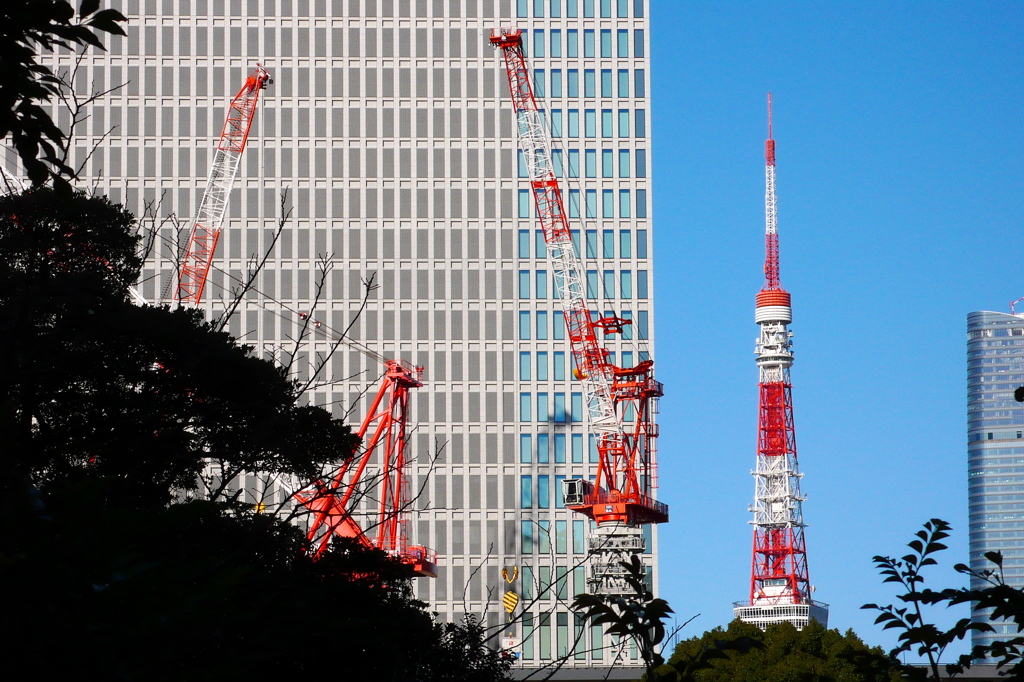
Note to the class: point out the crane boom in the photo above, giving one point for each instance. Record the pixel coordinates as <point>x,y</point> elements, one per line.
<point>619,401</point>
<point>205,232</point>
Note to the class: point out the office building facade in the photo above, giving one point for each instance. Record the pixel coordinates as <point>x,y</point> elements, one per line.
<point>995,450</point>
<point>389,129</point>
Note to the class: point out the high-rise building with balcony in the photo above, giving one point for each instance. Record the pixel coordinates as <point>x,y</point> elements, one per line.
<point>995,451</point>
<point>388,126</point>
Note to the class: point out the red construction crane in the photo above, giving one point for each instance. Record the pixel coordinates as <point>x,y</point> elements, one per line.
<point>205,232</point>
<point>333,502</point>
<point>621,496</point>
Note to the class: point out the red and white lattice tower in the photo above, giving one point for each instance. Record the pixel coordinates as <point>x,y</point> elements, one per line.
<point>780,590</point>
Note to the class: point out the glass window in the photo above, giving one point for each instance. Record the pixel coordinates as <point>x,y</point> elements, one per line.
<point>524,286</point>
<point>641,123</point>
<point>538,42</point>
<point>641,243</point>
<point>639,83</point>
<point>560,442</point>
<point>590,156</point>
<point>542,448</point>
<point>624,208</point>
<point>608,244</point>
<point>524,324</point>
<point>641,324</point>
<point>588,43</point>
<point>626,284</point>
<point>542,366</point>
<point>538,8</point>
<point>638,43</point>
<point>591,203</point>
<point>556,125</point>
<point>561,540</point>
<point>558,327</point>
<point>641,284</point>
<point>577,438</point>
<point>521,157</point>
<point>593,455</point>
<point>543,414</point>
<point>627,330</point>
<point>623,163</point>
<point>627,358</point>
<point>623,123</point>
<point>540,248</point>
<point>526,492</point>
<point>524,366</point>
<point>606,43</point>
<point>579,540</point>
<point>524,243</point>
<point>625,244</point>
<point>557,164</point>
<point>607,127</point>
<point>527,538</point>
<point>574,164</point>
<point>572,43</point>
<point>544,547</point>
<point>608,280</point>
<point>591,284</point>
<point>558,360</point>
<point>522,8</point>
<point>641,203</point>
<point>525,448</point>
<point>622,43</point>
<point>543,492</point>
<point>623,82</point>
<point>559,417</point>
<point>589,86</point>
<point>538,83</point>
<point>590,123</point>
<point>574,198</point>
<point>556,82</point>
<point>542,325</point>
<point>588,9</point>
<point>641,163</point>
<point>524,407</point>
<point>524,203</point>
<point>556,39</point>
<point>556,11</point>
<point>638,9</point>
<point>606,8</point>
<point>574,122</point>
<point>542,284</point>
<point>591,244</point>
<point>577,414</point>
<point>606,83</point>
<point>607,203</point>
<point>573,88</point>
<point>607,163</point>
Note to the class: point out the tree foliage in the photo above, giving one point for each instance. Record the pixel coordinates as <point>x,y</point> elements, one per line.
<point>27,28</point>
<point>109,413</point>
<point>781,653</point>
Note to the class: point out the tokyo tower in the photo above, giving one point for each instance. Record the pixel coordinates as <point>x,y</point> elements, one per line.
<point>780,590</point>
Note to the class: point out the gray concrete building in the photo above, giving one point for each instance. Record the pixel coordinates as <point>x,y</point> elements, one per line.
<point>390,128</point>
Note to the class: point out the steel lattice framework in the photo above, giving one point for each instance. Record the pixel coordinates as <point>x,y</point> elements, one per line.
<point>205,232</point>
<point>622,493</point>
<point>779,575</point>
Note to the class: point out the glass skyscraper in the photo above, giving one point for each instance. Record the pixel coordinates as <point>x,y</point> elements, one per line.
<point>995,449</point>
<point>389,127</point>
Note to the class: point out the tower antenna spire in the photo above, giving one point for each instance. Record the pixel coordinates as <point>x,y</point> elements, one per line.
<point>771,237</point>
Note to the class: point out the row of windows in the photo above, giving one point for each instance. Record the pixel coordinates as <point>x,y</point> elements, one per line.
<point>553,8</point>
<point>537,536</point>
<point>537,636</point>
<point>598,285</point>
<point>556,368</point>
<point>617,86</point>
<point>560,446</point>
<point>557,324</point>
<point>595,249</point>
<point>572,43</point>
<point>614,163</point>
<point>612,124</point>
<point>555,409</point>
<point>614,204</point>
<point>543,497</point>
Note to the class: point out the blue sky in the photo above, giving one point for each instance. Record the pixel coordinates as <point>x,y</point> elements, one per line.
<point>900,132</point>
